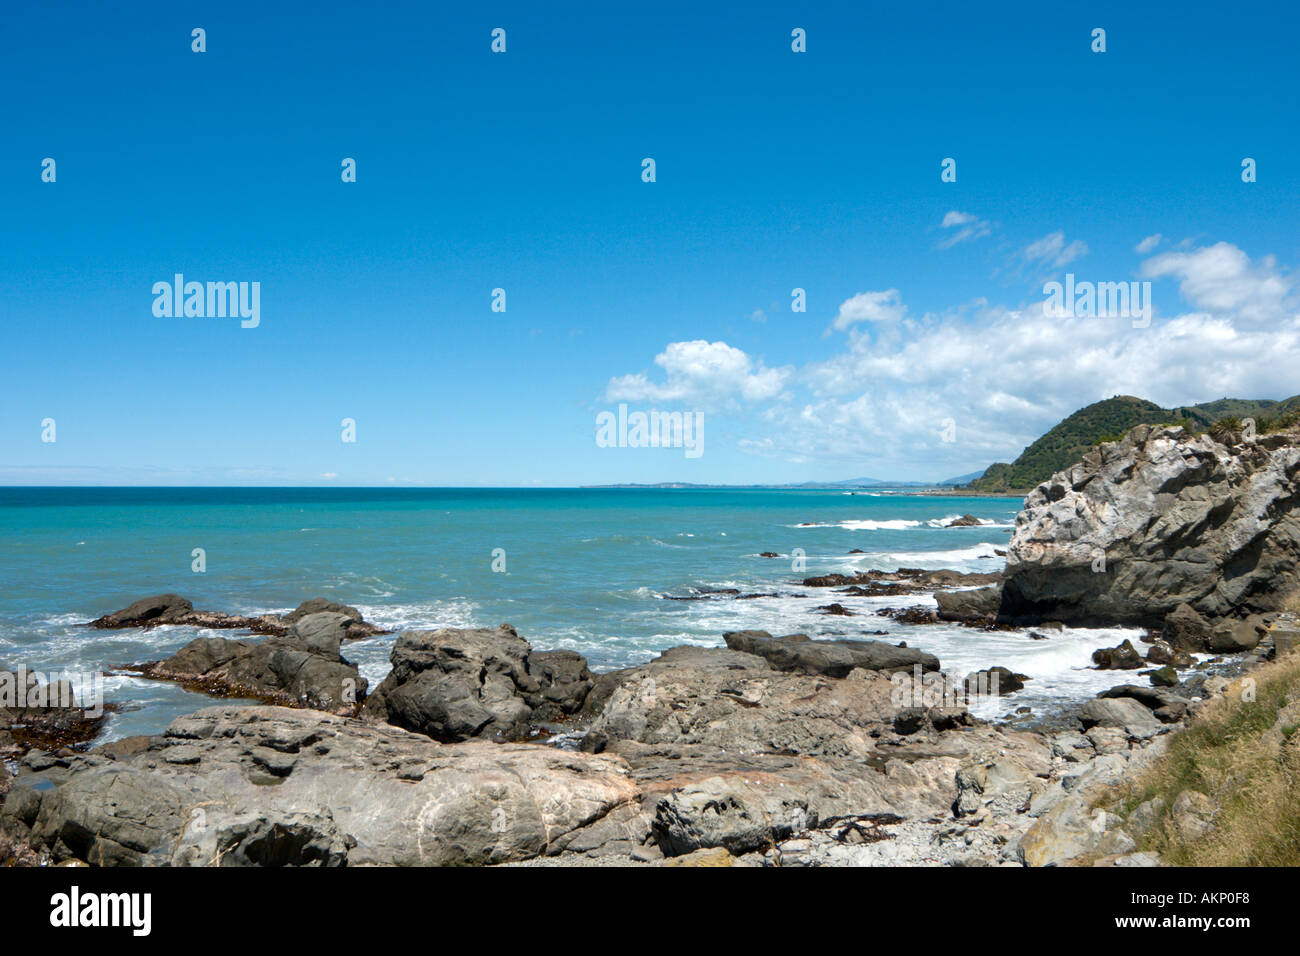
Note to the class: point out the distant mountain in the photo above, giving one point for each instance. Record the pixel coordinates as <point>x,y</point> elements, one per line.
<point>1109,420</point>
<point>963,479</point>
<point>852,482</point>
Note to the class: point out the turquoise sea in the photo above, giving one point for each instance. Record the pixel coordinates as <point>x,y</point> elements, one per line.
<point>592,570</point>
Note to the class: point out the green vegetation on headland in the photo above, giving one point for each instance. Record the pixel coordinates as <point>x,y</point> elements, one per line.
<point>1109,420</point>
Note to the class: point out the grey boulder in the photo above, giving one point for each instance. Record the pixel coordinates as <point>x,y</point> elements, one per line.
<point>978,605</point>
<point>1231,637</point>
<point>1120,712</point>
<point>458,684</point>
<point>1125,657</point>
<point>353,625</point>
<point>1186,630</point>
<point>322,632</point>
<point>158,609</point>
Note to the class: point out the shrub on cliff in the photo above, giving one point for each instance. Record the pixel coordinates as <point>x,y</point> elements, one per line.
<point>1069,440</point>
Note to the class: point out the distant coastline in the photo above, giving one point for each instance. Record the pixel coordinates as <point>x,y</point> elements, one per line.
<point>891,488</point>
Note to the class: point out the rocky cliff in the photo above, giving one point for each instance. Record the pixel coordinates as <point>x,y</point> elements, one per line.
<point>1156,520</point>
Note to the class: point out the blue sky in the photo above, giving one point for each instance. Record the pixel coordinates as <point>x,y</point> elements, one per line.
<point>522,170</point>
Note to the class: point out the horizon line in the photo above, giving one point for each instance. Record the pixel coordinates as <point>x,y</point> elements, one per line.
<point>609,486</point>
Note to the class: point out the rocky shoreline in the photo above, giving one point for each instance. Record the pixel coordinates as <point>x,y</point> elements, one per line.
<point>694,750</point>
<point>768,751</point>
<point>771,751</point>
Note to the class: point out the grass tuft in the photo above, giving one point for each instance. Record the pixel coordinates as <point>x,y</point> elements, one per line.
<point>1243,752</point>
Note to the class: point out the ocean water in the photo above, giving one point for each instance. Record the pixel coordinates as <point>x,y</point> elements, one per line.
<point>592,570</point>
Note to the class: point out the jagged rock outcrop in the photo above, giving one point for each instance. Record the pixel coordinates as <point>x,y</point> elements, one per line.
<point>1157,520</point>
<point>304,668</point>
<point>701,749</point>
<point>462,683</point>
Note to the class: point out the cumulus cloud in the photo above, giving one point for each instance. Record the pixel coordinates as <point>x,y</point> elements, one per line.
<point>884,306</point>
<point>1009,374</point>
<point>1222,280</point>
<point>702,374</point>
<point>968,227</point>
<point>1053,250</point>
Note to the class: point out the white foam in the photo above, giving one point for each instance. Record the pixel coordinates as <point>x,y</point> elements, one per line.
<point>454,612</point>
<point>947,520</point>
<point>1060,667</point>
<point>983,551</point>
<point>891,524</point>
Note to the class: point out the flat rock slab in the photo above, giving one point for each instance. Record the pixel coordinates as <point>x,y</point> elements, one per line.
<point>261,785</point>
<point>796,652</point>
<point>173,609</point>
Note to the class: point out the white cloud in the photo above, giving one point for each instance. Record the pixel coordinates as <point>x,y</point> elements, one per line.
<point>1053,250</point>
<point>884,306</point>
<point>1005,375</point>
<point>968,226</point>
<point>700,373</point>
<point>1147,244</point>
<point>1221,280</point>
